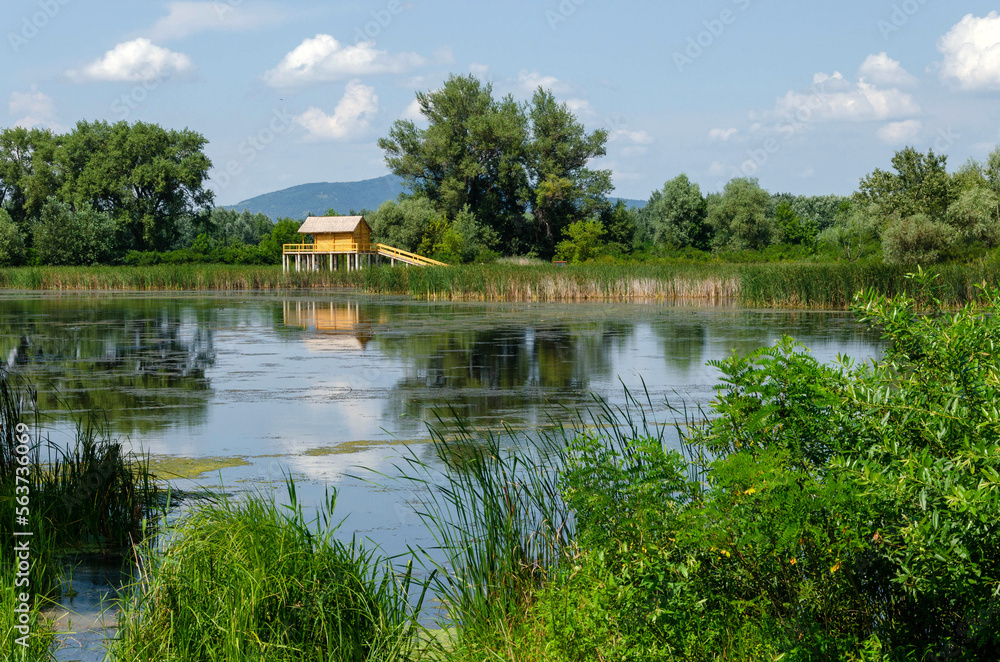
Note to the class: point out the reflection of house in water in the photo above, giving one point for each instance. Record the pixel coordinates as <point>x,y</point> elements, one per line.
<point>338,326</point>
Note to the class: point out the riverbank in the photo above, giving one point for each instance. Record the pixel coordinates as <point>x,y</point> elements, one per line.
<point>780,285</point>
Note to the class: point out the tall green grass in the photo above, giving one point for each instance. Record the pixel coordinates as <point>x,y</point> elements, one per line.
<point>91,495</point>
<point>245,580</point>
<point>796,285</point>
<point>501,527</point>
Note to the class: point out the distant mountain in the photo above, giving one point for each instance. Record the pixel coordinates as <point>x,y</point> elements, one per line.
<point>300,201</point>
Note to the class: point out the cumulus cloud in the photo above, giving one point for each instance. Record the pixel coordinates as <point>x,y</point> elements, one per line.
<point>580,107</point>
<point>833,98</point>
<point>35,109</point>
<point>721,135</point>
<point>882,70</point>
<point>898,133</point>
<point>971,52</point>
<point>634,137</point>
<point>187,18</point>
<point>350,118</point>
<point>324,59</point>
<point>135,61</point>
<point>480,71</point>
<point>529,81</point>
<point>413,112</point>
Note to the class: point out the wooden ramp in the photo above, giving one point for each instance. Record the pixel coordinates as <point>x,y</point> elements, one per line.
<point>399,255</point>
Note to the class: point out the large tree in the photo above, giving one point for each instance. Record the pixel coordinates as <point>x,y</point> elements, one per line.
<point>920,185</point>
<point>738,217</point>
<point>521,169</point>
<point>676,214</point>
<point>144,176</point>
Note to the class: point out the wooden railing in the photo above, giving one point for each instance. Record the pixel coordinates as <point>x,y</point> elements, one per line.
<point>380,249</point>
<point>406,256</point>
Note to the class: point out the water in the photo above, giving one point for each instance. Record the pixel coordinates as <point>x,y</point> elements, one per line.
<point>328,387</point>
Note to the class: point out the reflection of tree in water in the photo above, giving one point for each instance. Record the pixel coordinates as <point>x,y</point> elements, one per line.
<point>688,339</point>
<point>503,373</point>
<point>140,362</point>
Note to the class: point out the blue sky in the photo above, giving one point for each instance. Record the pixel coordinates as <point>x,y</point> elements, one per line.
<point>808,97</point>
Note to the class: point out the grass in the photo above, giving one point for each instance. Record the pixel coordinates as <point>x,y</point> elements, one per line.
<point>91,496</point>
<point>246,580</point>
<point>797,285</point>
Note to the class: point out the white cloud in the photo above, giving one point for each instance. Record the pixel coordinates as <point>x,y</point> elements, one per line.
<point>530,81</point>
<point>187,18</point>
<point>721,134</point>
<point>413,113</point>
<point>971,52</point>
<point>717,168</point>
<point>324,59</point>
<point>444,55</point>
<point>635,137</point>
<point>882,70</point>
<point>635,150</point>
<point>580,107</point>
<point>833,98</point>
<point>135,61</point>
<point>35,108</point>
<point>480,71</point>
<point>898,133</point>
<point>350,118</point>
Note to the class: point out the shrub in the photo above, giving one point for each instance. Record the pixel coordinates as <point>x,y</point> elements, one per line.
<point>916,239</point>
<point>12,251</point>
<point>67,237</point>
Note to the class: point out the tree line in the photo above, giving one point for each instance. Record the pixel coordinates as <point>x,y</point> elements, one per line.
<point>486,178</point>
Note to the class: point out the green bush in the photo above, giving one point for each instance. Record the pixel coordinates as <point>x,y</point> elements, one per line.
<point>832,512</point>
<point>67,237</point>
<point>12,251</point>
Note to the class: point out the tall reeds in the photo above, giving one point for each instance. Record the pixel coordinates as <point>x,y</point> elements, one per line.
<point>785,285</point>
<point>249,579</point>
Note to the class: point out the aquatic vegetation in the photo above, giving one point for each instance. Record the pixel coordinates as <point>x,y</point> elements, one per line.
<point>785,285</point>
<point>250,579</point>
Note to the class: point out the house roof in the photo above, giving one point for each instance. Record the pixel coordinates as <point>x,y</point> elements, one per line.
<point>331,224</point>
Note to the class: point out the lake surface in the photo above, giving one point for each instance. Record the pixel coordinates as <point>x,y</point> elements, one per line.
<point>327,386</point>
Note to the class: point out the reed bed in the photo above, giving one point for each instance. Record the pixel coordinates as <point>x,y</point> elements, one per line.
<point>780,285</point>
<point>501,527</point>
<point>252,580</point>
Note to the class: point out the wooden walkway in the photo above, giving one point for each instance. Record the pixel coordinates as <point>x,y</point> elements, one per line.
<point>308,257</point>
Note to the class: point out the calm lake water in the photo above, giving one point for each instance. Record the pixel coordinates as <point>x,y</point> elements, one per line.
<point>327,387</point>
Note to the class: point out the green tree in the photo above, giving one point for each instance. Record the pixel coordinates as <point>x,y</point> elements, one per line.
<point>917,239</point>
<point>976,216</point>
<point>29,174</point>
<point>11,241</point>
<point>466,240</point>
<point>68,237</point>
<point>144,176</point>
<point>676,214</point>
<point>856,231</point>
<point>520,169</point>
<point>620,225</point>
<point>738,217</point>
<point>565,189</point>
<point>229,226</point>
<point>920,185</point>
<point>285,231</point>
<point>471,154</point>
<point>404,224</point>
<point>584,241</point>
